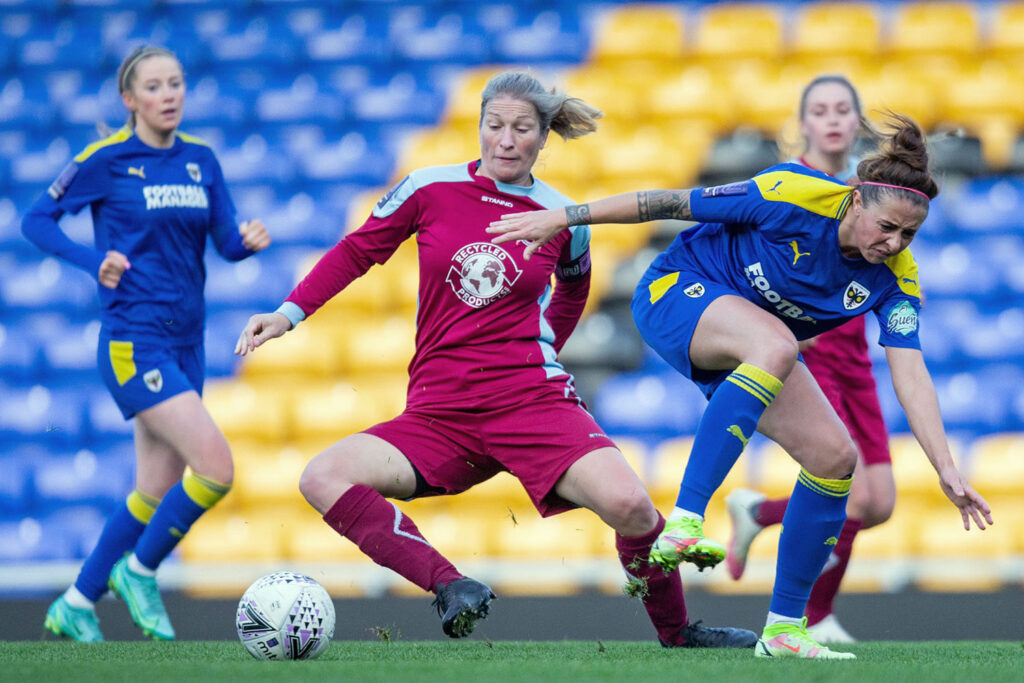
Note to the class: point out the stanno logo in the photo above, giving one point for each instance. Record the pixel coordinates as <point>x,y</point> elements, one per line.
<point>482,273</point>
<point>495,200</point>
<point>140,172</point>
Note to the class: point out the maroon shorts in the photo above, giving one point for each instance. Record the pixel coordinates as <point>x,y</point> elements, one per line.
<point>536,441</point>
<point>850,388</point>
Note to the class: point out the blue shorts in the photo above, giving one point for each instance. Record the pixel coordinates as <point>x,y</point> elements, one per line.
<point>666,309</point>
<point>140,374</point>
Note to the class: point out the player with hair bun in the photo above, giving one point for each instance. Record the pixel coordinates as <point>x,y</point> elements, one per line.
<point>155,195</point>
<point>728,303</point>
<point>830,119</point>
<point>486,391</point>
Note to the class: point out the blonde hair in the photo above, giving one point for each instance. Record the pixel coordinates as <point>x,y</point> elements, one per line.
<point>569,117</point>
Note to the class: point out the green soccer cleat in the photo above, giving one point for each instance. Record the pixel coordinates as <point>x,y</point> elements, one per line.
<point>142,596</point>
<point>80,624</point>
<point>792,640</point>
<point>682,540</point>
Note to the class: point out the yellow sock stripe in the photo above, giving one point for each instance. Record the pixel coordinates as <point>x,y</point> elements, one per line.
<point>756,381</point>
<point>662,285</point>
<point>204,491</point>
<point>141,506</point>
<point>834,488</point>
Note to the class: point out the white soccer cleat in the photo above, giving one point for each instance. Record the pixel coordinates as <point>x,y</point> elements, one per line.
<point>741,504</point>
<point>792,641</point>
<point>829,630</point>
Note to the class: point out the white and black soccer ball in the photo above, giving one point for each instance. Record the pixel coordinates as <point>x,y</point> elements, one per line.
<point>285,615</point>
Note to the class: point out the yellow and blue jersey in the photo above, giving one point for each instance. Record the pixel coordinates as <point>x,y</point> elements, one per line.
<point>157,207</point>
<point>774,240</point>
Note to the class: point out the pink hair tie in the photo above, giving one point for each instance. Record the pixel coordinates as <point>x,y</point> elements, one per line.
<point>897,187</point>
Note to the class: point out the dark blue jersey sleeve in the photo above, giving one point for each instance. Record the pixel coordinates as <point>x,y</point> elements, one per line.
<point>82,182</point>
<point>223,229</point>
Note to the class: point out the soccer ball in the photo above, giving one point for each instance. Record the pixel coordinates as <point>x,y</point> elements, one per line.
<point>285,615</point>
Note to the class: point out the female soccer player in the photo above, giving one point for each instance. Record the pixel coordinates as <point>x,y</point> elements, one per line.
<point>155,195</point>
<point>782,257</point>
<point>830,118</point>
<point>486,391</point>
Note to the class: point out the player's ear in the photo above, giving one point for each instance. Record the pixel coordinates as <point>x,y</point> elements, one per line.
<point>129,101</point>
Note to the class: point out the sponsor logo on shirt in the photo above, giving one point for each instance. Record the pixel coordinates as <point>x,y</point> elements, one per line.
<point>495,200</point>
<point>902,319</point>
<point>855,295</point>
<point>695,291</point>
<point>783,307</point>
<point>481,273</point>
<point>797,253</point>
<point>165,196</point>
<point>193,172</point>
<point>732,189</point>
<point>63,181</point>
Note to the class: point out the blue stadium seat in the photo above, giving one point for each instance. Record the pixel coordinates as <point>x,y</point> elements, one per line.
<point>222,330</point>
<point>351,38</point>
<point>25,539</point>
<point>48,284</point>
<point>662,405</point>
<point>261,282</point>
<point>82,478</point>
<point>52,417</point>
<point>23,107</point>
<point>421,34</point>
<point>993,204</point>
<point>79,526</point>
<point>19,354</point>
<point>17,485</point>
<point>548,37</point>
<point>105,425</point>
<point>302,101</point>
<point>400,100</point>
<point>69,357</point>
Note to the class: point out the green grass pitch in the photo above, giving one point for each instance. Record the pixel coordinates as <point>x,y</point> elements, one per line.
<point>476,660</point>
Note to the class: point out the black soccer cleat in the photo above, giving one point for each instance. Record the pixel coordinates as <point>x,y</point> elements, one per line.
<point>460,603</point>
<point>695,635</point>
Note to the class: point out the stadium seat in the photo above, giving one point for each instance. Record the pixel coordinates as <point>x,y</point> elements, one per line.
<point>696,99</point>
<point>550,37</point>
<point>772,470</point>
<point>996,464</point>
<point>267,473</point>
<point>935,29</point>
<point>1005,39</point>
<point>737,31</point>
<point>231,537</point>
<point>602,340</point>
<point>82,478</point>
<point>333,409</point>
<point>830,29</point>
<point>249,410</point>
<point>652,35</point>
<point>913,472</point>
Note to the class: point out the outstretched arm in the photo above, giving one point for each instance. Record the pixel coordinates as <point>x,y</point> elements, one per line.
<point>539,227</point>
<point>916,392</point>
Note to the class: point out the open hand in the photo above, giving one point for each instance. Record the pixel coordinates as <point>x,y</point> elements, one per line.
<point>260,328</point>
<point>537,228</point>
<point>970,502</point>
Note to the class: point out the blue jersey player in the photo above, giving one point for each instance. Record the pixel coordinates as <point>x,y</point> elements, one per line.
<point>155,195</point>
<point>776,259</point>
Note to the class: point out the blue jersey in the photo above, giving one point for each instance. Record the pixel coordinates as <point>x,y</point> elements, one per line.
<point>156,206</point>
<point>774,240</point>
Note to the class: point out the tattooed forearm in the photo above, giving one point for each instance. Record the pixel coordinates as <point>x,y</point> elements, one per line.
<point>578,214</point>
<point>656,204</point>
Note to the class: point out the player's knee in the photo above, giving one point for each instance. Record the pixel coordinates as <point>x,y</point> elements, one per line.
<point>877,512</point>
<point>631,513</point>
<point>321,478</point>
<point>217,463</point>
<point>777,354</point>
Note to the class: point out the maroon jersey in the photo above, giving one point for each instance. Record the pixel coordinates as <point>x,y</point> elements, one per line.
<point>488,323</point>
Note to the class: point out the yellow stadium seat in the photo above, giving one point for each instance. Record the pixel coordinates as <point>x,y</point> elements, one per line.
<point>377,344</point>
<point>668,463</point>
<point>926,28</point>
<point>1006,38</point>
<point>268,474</point>
<point>829,29</point>
<point>563,537</point>
<point>249,536</point>
<point>463,110</point>
<point>638,157</point>
<point>902,88</point>
<point>696,95</point>
<point>568,165</point>
<point>501,493</point>
<point>963,560</point>
<point>300,353</point>
<point>458,534</point>
<point>774,470</point>
<point>314,541</point>
<point>996,464</point>
<point>638,32</point>
<point>988,102</point>
<point>333,409</point>
<point>439,147</point>
<point>249,409</point>
<point>622,97</point>
<point>740,30</point>
<point>912,470</point>
<point>894,539</point>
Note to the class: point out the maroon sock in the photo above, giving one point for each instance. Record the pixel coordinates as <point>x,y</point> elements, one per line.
<point>771,511</point>
<point>819,605</point>
<point>388,537</point>
<point>664,601</point>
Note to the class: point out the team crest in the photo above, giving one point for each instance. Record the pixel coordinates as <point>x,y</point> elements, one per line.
<point>154,380</point>
<point>902,319</point>
<point>482,273</point>
<point>855,295</point>
<point>193,172</point>
<point>695,291</point>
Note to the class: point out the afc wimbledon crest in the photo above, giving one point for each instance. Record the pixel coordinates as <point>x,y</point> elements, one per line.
<point>481,273</point>
<point>154,380</point>
<point>856,294</point>
<point>193,172</point>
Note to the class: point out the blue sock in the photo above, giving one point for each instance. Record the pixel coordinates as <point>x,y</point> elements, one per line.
<point>810,530</point>
<point>725,428</point>
<point>119,536</point>
<point>181,507</point>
